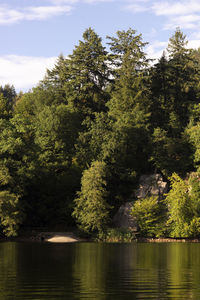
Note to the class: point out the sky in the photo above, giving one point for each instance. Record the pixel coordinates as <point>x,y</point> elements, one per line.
<point>35,32</point>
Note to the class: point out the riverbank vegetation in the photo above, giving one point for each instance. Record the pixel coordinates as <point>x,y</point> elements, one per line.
<point>72,149</point>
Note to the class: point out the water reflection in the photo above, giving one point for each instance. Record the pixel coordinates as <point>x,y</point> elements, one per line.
<point>99,271</point>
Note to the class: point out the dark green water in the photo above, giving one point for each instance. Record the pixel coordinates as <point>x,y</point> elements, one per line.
<point>99,271</point>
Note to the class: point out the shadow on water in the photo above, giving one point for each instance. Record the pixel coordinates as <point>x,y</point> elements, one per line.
<point>99,271</point>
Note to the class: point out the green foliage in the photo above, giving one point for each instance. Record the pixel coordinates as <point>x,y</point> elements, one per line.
<point>184,206</point>
<point>11,214</point>
<point>170,154</point>
<point>116,235</point>
<point>129,103</point>
<point>193,133</point>
<point>114,112</point>
<point>149,213</point>
<point>55,134</point>
<point>194,192</point>
<point>179,207</point>
<point>174,86</point>
<point>91,209</point>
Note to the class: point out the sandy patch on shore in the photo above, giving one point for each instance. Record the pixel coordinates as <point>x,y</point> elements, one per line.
<point>59,237</point>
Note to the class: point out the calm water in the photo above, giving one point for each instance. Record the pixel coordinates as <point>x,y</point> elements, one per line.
<point>99,271</point>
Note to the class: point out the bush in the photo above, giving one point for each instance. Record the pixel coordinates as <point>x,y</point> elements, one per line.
<point>150,215</point>
<point>116,235</point>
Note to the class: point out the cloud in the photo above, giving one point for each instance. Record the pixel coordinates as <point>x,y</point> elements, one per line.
<point>137,6</point>
<point>182,13</point>
<point>155,50</point>
<point>194,44</point>
<point>185,14</point>
<point>185,22</point>
<point>97,1</point>
<point>8,16</point>
<point>11,16</point>
<point>24,72</point>
<point>45,12</point>
<point>171,8</point>
<point>60,2</point>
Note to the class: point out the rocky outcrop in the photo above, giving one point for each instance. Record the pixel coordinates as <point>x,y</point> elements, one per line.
<point>151,185</point>
<point>123,218</point>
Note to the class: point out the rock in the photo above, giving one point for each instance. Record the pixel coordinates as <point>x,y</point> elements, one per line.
<point>123,217</point>
<point>151,185</point>
<point>58,237</point>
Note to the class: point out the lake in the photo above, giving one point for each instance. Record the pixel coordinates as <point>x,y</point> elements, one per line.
<point>99,271</point>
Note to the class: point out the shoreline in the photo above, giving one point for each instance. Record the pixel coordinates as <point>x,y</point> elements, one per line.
<point>168,240</point>
<point>71,237</point>
<point>46,237</point>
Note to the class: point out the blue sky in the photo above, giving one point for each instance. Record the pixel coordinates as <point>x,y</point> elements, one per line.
<point>34,32</point>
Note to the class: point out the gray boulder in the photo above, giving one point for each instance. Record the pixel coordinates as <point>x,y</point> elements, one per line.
<point>151,185</point>
<point>123,218</point>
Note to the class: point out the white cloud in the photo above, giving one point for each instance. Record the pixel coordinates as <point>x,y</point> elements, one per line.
<point>169,8</point>
<point>24,72</point>
<point>96,1</point>
<point>185,14</point>
<point>136,7</point>
<point>60,2</point>
<point>45,12</point>
<point>194,44</point>
<point>155,50</point>
<point>10,16</point>
<point>185,22</point>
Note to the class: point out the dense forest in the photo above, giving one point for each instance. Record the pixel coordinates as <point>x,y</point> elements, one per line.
<point>72,149</point>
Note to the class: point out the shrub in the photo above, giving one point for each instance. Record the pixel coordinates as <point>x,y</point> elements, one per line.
<point>150,215</point>
<point>116,235</point>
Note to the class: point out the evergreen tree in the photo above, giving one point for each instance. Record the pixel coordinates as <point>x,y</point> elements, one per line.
<point>128,106</point>
<point>129,101</point>
<point>91,209</point>
<point>89,75</point>
<point>174,86</point>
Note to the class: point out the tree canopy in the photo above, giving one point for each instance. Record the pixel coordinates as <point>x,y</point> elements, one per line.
<point>72,148</point>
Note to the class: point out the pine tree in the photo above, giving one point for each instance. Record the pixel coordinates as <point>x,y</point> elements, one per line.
<point>89,71</point>
<point>129,101</point>
<point>91,209</point>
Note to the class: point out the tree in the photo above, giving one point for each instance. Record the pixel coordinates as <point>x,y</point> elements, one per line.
<point>81,78</point>
<point>179,206</point>
<point>91,209</point>
<point>170,154</point>
<point>174,87</point>
<point>183,206</point>
<point>128,107</point>
<point>9,93</point>
<point>11,214</point>
<point>89,75</point>
<point>17,166</point>
<point>55,80</point>
<point>150,214</point>
<point>129,101</point>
